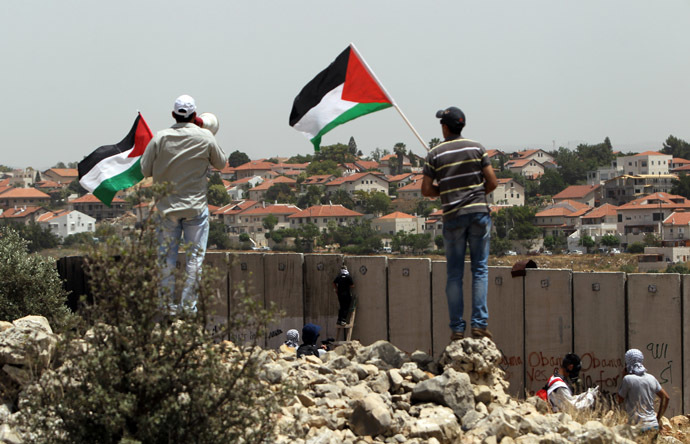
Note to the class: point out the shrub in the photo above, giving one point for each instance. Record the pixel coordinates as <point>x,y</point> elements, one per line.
<point>132,373</point>
<point>677,268</point>
<point>85,238</point>
<point>30,283</point>
<point>636,248</point>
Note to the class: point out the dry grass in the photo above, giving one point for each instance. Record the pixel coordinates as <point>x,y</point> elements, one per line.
<point>585,262</point>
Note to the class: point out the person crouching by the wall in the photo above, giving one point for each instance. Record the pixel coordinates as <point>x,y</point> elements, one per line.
<point>560,387</point>
<point>291,342</point>
<point>310,334</point>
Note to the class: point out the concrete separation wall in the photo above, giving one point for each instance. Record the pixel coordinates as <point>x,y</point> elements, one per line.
<point>246,276</point>
<point>283,284</point>
<point>598,320</point>
<point>320,299</point>
<point>369,274</point>
<point>654,320</point>
<point>409,304</point>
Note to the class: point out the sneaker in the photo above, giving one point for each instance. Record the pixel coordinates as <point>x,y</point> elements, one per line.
<point>457,335</point>
<point>342,323</point>
<point>481,333</point>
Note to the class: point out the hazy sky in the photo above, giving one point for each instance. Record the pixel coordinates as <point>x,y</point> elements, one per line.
<point>528,74</point>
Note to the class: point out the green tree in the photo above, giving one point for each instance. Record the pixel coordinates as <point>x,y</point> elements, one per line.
<point>237,158</point>
<point>217,236</point>
<point>376,154</point>
<point>352,146</point>
<point>215,179</point>
<point>30,283</point>
<point>319,167</point>
<point>373,202</point>
<point>311,197</point>
<point>60,165</point>
<point>217,195</point>
<point>338,153</point>
<point>5,169</point>
<point>677,268</point>
<point>269,222</point>
<point>438,240</point>
<point>551,183</point>
<point>433,142</point>
<point>636,248</point>
<point>340,197</point>
<point>84,239</point>
<point>300,158</point>
<point>676,147</point>
<point>75,187</point>
<point>244,237</point>
<point>357,238</point>
<point>681,186</point>
<point>610,240</point>
<point>400,149</point>
<point>279,192</point>
<point>38,238</point>
<point>587,242</point>
<point>652,240</point>
<point>516,223</point>
<point>549,242</point>
<point>498,246</point>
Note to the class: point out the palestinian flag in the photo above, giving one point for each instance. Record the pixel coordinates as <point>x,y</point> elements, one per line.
<point>112,168</point>
<point>340,93</point>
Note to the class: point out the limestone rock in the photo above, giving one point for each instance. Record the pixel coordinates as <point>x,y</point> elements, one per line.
<point>371,416</point>
<point>383,354</point>
<point>451,389</point>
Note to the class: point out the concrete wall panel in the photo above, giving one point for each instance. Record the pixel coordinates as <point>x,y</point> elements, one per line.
<point>654,327</point>
<point>320,299</point>
<point>506,322</point>
<point>218,308</point>
<point>369,274</point>
<point>439,305</point>
<point>283,284</point>
<point>246,277</point>
<point>685,331</point>
<point>548,323</point>
<point>409,304</point>
<point>598,324</point>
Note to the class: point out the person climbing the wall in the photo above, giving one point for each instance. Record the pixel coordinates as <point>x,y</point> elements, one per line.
<point>342,285</point>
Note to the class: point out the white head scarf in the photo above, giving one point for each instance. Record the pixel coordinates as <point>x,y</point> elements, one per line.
<point>292,336</point>
<point>633,362</point>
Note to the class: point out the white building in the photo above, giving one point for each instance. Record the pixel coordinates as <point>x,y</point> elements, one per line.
<point>507,193</point>
<point>649,162</point>
<point>398,221</point>
<point>68,222</point>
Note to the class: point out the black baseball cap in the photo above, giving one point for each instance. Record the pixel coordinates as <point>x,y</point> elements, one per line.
<point>452,116</point>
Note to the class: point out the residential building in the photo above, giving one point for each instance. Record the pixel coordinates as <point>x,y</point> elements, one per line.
<point>539,155</point>
<point>601,175</point>
<point>599,222</point>
<point>252,168</point>
<point>321,215</point>
<point>529,168</point>
<point>348,169</point>
<point>559,219</point>
<point>657,259</point>
<point>411,191</point>
<point>389,163</point>
<point>676,229</point>
<point>290,169</point>
<point>366,165</point>
<point>258,192</point>
<point>400,180</point>
<point>678,162</point>
<point>251,221</point>
<point>646,214</point>
<point>19,197</point>
<point>90,205</point>
<point>22,214</point>
<point>68,222</point>
<point>24,178</point>
<point>623,189</point>
<point>227,173</point>
<point>398,221</point>
<point>368,181</point>
<point>647,163</point>
<point>320,180</point>
<point>507,193</point>
<point>230,214</point>
<point>589,195</point>
<point>61,175</point>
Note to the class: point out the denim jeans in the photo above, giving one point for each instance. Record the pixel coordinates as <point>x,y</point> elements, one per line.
<point>473,229</point>
<point>170,232</point>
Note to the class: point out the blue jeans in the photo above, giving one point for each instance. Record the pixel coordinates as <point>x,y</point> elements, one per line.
<point>195,231</point>
<point>473,228</point>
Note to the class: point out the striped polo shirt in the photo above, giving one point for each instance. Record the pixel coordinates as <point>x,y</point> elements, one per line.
<point>456,165</point>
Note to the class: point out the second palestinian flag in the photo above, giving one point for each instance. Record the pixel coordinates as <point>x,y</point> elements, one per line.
<point>112,168</point>
<point>340,93</point>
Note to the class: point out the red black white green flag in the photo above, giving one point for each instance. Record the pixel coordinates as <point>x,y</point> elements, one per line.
<point>343,91</point>
<point>111,168</point>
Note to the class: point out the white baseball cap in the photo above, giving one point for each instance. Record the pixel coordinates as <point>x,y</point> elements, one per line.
<point>184,106</point>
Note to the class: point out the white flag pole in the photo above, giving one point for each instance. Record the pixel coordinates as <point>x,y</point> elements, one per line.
<point>395,105</point>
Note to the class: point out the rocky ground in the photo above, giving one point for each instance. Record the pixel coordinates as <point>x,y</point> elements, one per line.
<point>378,394</point>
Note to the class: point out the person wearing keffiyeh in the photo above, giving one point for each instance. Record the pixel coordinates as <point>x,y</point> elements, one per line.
<point>637,392</point>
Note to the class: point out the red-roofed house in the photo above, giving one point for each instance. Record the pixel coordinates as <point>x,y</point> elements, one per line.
<point>411,191</point>
<point>400,180</point>
<point>290,169</point>
<point>623,189</point>
<point>539,155</point>
<point>24,178</point>
<point>649,162</point>
<point>259,192</point>
<point>91,206</point>
<point>557,220</point>
<point>366,165</point>
<point>398,221</point>
<point>230,213</point>
<point>320,180</point>
<point>251,221</point>
<point>676,229</point>
<point>529,168</point>
<point>678,162</point>
<point>68,222</point>
<point>507,193</point>
<point>589,195</point>
<point>321,215</point>
<point>600,222</point>
<point>19,197</point>
<point>368,181</point>
<point>255,168</point>
<point>390,162</point>
<point>22,214</point>
<point>61,175</point>
<point>645,214</point>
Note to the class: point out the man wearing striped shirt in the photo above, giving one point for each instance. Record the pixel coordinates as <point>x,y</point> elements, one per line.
<point>459,171</point>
